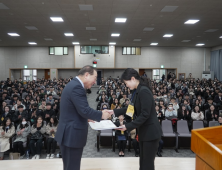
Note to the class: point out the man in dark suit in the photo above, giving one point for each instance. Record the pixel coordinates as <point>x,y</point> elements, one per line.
<point>74,114</point>
<point>218,98</point>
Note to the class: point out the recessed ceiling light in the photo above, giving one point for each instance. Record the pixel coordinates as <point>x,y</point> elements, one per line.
<point>84,7</point>
<point>31,28</point>
<point>169,8</point>
<point>168,35</point>
<point>154,44</point>
<point>32,43</point>
<point>3,6</point>
<point>68,34</point>
<point>200,44</point>
<point>112,43</point>
<point>48,39</point>
<point>75,42</point>
<point>148,29</point>
<point>211,30</point>
<point>191,21</point>
<point>90,28</point>
<point>13,34</point>
<point>115,35</point>
<point>56,19</point>
<point>220,36</point>
<point>93,39</point>
<point>185,41</point>
<point>120,20</point>
<point>137,40</point>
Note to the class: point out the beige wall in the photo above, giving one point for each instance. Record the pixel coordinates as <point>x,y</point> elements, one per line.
<point>186,60</point>
<point>105,60</point>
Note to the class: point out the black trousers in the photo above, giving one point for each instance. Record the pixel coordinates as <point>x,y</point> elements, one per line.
<point>148,150</point>
<point>160,145</point>
<point>136,145</point>
<point>35,149</point>
<point>51,143</point>
<point>18,148</point>
<point>121,145</point>
<point>71,157</point>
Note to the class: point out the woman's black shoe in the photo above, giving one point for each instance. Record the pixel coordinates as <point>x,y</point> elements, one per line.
<point>159,154</point>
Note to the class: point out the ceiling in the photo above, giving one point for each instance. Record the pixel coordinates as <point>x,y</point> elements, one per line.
<point>139,14</point>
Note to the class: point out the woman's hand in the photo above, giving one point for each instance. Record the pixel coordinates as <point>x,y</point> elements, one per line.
<point>122,128</point>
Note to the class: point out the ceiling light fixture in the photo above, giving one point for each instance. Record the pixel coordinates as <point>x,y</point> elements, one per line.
<point>200,44</point>
<point>75,42</point>
<point>32,43</point>
<point>112,43</point>
<point>168,35</point>
<point>191,21</point>
<point>120,20</point>
<point>68,34</point>
<point>13,34</point>
<point>115,35</point>
<point>154,44</point>
<point>56,19</point>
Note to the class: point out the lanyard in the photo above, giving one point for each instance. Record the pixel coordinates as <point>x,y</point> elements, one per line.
<point>133,96</point>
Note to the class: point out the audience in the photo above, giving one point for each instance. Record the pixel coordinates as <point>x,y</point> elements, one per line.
<point>197,114</point>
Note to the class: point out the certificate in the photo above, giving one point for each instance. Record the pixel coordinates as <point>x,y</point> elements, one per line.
<point>103,125</point>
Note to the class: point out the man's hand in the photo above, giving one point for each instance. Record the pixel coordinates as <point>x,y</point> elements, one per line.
<point>105,114</point>
<point>111,112</point>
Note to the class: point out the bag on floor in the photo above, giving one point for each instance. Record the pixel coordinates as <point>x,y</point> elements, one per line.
<point>13,156</point>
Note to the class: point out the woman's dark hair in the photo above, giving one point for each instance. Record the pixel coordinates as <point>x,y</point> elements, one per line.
<point>21,125</point>
<point>35,125</point>
<point>114,101</point>
<point>8,108</point>
<point>130,72</point>
<point>55,121</point>
<point>195,110</point>
<point>4,123</point>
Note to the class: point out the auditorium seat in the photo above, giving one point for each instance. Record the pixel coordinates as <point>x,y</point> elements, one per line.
<point>184,135</point>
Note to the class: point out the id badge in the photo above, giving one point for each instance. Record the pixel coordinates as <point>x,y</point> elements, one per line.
<point>130,110</point>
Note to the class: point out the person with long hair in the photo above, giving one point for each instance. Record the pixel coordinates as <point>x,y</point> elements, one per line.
<point>51,129</point>
<point>144,117</point>
<point>22,132</point>
<point>6,131</point>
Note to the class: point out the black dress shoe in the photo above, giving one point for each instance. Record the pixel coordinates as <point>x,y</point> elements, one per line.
<point>136,154</point>
<point>159,154</point>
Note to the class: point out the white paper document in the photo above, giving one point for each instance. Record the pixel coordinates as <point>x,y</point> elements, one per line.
<point>103,125</point>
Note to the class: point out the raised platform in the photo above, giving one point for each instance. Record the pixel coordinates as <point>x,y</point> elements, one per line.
<point>165,163</point>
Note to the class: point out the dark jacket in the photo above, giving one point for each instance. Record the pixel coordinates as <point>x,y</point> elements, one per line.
<point>185,116</point>
<point>217,99</point>
<point>118,132</point>
<point>75,111</point>
<point>209,115</point>
<point>3,116</point>
<point>145,119</point>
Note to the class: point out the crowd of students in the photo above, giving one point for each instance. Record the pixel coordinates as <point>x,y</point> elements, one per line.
<point>30,111</point>
<point>190,99</point>
<point>29,114</point>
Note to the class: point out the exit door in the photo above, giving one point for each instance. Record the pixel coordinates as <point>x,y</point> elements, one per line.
<point>47,74</point>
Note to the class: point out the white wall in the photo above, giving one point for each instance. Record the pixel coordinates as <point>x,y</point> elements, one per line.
<point>105,60</point>
<point>113,73</point>
<point>186,60</point>
<point>15,74</point>
<point>33,57</point>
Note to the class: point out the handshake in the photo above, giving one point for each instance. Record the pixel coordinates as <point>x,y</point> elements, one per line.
<point>107,114</point>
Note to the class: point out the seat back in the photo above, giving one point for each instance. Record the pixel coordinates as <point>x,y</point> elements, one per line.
<point>213,123</point>
<point>182,126</point>
<point>167,126</point>
<point>198,124</point>
<point>108,132</point>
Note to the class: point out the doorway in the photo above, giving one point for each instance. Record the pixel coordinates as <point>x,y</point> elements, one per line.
<point>141,71</point>
<point>47,74</point>
<point>99,76</point>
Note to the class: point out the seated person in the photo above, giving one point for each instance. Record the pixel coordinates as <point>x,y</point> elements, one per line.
<point>197,114</point>
<point>19,102</point>
<point>220,119</point>
<point>37,131</point>
<point>170,112</point>
<point>6,131</point>
<point>197,103</point>
<point>51,129</point>
<point>122,100</point>
<point>175,104</point>
<point>187,105</point>
<point>135,142</point>
<point>121,136</point>
<point>6,114</point>
<point>48,112</point>
<point>115,104</point>
<point>20,114</point>
<point>126,103</point>
<point>159,113</point>
<point>184,114</point>
<point>34,116</point>
<point>111,101</point>
<point>218,98</point>
<point>212,114</point>
<point>208,104</point>
<point>23,130</point>
<point>43,105</point>
<point>50,99</point>
<point>162,106</point>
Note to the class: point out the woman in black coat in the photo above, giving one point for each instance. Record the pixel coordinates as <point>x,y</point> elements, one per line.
<point>144,118</point>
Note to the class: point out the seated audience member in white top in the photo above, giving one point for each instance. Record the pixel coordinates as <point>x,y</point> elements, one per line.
<point>197,114</point>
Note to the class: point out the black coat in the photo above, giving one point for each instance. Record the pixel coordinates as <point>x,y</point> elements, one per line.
<point>145,119</point>
<point>209,115</point>
<point>185,116</point>
<point>118,132</point>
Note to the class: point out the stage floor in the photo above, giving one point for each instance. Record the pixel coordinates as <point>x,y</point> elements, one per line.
<point>166,163</point>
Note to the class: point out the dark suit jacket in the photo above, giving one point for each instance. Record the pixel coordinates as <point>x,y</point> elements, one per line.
<point>217,99</point>
<point>74,112</point>
<point>145,119</point>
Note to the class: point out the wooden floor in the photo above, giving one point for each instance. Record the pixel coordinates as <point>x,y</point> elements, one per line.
<point>165,163</point>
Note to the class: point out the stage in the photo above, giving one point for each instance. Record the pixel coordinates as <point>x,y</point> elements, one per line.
<point>164,163</point>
